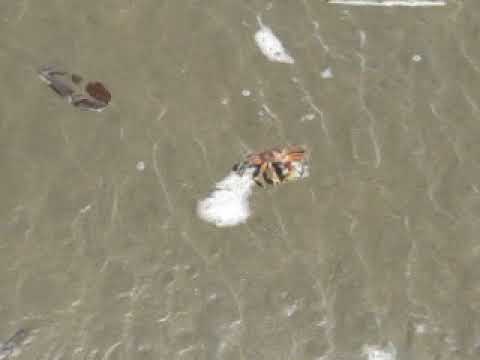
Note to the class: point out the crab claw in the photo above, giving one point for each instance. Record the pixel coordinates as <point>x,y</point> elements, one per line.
<point>87,103</point>
<point>57,81</point>
<point>46,72</point>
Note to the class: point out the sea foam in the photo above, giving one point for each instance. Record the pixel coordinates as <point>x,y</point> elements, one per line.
<point>228,204</point>
<point>389,2</point>
<point>377,353</point>
<point>271,46</point>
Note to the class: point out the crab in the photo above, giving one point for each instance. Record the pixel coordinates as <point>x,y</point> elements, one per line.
<point>275,165</point>
<point>69,86</point>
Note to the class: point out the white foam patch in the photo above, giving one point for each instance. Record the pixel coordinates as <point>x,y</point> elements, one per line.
<point>228,204</point>
<point>140,166</point>
<point>389,2</point>
<point>271,46</point>
<point>327,73</point>
<point>377,353</point>
<point>307,117</point>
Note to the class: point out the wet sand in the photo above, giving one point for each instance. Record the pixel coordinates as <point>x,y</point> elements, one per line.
<point>374,256</point>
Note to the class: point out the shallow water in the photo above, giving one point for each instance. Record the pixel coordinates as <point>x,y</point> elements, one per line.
<point>375,255</point>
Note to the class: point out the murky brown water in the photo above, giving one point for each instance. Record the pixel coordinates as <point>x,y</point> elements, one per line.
<point>375,255</point>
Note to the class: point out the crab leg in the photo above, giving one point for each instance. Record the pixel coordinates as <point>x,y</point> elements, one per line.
<point>53,78</point>
<point>87,103</point>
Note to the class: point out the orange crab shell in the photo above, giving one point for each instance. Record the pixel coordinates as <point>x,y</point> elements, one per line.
<point>98,91</point>
<point>278,155</point>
